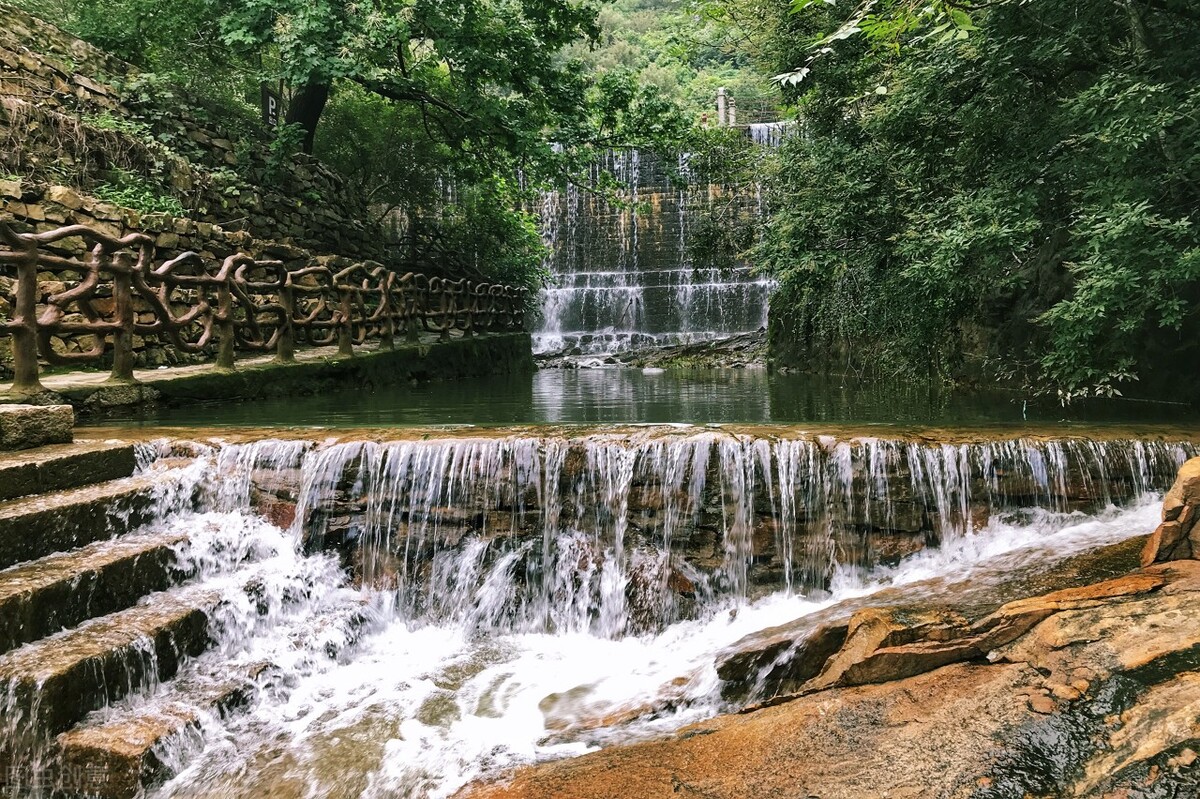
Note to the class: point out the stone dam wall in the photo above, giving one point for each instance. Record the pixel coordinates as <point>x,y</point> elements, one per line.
<point>654,270</point>
<point>615,533</point>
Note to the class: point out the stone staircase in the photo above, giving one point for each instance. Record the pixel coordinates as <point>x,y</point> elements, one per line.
<point>97,606</point>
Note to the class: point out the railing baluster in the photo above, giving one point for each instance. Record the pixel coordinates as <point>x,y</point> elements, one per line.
<point>122,265</point>
<point>23,324</point>
<point>286,346</point>
<point>234,301</point>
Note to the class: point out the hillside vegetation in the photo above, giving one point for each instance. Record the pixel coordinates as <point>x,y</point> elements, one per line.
<point>1005,193</point>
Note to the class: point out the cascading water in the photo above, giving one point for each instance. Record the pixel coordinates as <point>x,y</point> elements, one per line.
<point>772,134</point>
<point>417,613</point>
<point>625,277</point>
<point>610,534</point>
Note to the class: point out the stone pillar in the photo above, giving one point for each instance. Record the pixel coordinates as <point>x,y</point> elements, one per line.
<point>722,108</point>
<point>732,112</point>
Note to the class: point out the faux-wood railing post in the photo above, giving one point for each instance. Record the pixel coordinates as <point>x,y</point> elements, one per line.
<point>413,305</point>
<point>469,305</point>
<point>447,309</point>
<point>346,325</point>
<point>23,324</point>
<point>387,300</point>
<point>225,324</point>
<point>285,348</point>
<point>122,268</point>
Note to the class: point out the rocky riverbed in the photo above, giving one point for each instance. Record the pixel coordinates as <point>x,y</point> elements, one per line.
<point>745,350</point>
<point>1091,691</point>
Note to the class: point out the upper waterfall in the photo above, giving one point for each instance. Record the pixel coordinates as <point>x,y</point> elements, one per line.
<point>626,276</point>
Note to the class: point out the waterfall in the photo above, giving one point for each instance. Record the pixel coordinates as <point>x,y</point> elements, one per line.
<point>612,534</point>
<point>551,593</point>
<point>624,276</point>
<point>771,134</point>
<point>403,616</point>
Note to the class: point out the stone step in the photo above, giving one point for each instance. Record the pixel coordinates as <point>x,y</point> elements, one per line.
<point>120,757</point>
<point>44,596</point>
<point>58,467</point>
<point>28,426</point>
<point>47,686</point>
<point>123,752</point>
<point>33,527</point>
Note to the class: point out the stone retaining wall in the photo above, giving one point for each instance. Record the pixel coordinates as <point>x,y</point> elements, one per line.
<point>62,112</point>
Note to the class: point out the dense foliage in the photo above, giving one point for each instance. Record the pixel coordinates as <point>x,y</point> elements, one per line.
<point>446,117</point>
<point>1016,187</point>
<point>417,103</point>
<point>683,49</point>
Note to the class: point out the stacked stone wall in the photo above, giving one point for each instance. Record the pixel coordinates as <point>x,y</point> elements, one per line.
<point>64,118</point>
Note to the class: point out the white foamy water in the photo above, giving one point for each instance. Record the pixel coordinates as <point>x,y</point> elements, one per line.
<point>423,613</point>
<point>420,709</point>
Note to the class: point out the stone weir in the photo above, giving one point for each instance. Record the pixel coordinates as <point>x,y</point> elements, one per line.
<point>150,588</point>
<point>623,532</point>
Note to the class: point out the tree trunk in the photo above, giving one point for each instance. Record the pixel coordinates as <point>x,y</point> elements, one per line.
<point>305,110</point>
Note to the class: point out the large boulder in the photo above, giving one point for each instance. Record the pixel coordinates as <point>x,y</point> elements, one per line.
<point>1178,537</point>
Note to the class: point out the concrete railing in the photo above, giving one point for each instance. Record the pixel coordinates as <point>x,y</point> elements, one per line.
<point>198,304</point>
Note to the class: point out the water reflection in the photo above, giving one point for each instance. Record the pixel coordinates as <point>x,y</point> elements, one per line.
<point>655,396</point>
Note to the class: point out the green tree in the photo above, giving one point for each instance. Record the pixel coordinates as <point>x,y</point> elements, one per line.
<point>482,72</point>
<point>1014,184</point>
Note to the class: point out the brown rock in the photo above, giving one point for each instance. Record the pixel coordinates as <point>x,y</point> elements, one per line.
<point>777,660</point>
<point>1172,539</point>
<point>887,643</point>
<point>65,197</point>
<point>1064,692</point>
<point>1185,491</point>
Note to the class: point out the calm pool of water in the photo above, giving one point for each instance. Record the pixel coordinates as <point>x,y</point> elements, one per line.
<point>603,396</point>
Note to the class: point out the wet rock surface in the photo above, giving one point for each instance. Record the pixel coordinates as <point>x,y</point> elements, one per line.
<point>781,660</point>
<point>1092,690</point>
